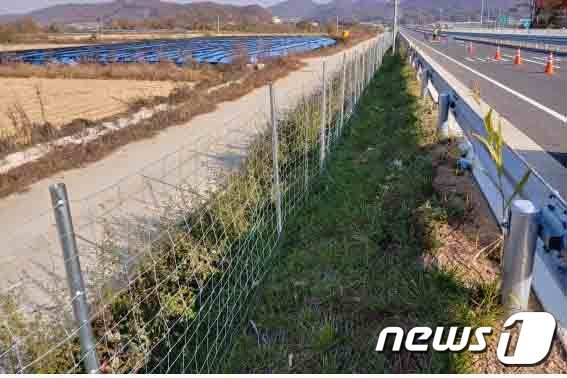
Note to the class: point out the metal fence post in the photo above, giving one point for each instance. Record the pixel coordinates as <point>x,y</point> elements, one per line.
<point>375,56</point>
<point>275,157</point>
<point>424,82</point>
<point>362,72</point>
<point>322,137</point>
<point>343,95</point>
<point>355,83</point>
<point>382,48</point>
<point>443,120</point>
<point>519,253</point>
<point>371,55</point>
<point>64,221</point>
<point>368,66</point>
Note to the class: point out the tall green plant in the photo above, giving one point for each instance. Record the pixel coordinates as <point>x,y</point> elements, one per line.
<point>494,143</point>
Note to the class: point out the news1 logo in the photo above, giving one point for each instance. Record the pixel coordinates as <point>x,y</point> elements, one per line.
<point>532,347</point>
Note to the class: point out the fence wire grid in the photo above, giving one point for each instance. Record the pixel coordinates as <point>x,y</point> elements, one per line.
<point>170,256</point>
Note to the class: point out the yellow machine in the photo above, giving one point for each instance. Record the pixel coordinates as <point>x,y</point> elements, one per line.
<point>341,36</point>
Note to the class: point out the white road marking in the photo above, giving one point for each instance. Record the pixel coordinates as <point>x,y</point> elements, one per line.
<point>482,60</point>
<point>545,58</point>
<point>470,59</point>
<point>521,96</point>
<point>540,63</point>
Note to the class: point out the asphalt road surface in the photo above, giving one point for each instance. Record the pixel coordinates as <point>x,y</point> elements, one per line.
<point>532,101</point>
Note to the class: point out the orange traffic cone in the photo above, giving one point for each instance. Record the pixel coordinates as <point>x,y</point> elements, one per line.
<point>498,55</point>
<point>550,67</point>
<point>518,58</point>
<point>470,49</point>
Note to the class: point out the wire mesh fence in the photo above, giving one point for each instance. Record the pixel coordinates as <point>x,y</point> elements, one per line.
<point>171,255</point>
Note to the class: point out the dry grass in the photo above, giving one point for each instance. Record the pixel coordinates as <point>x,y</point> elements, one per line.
<point>190,103</point>
<point>163,71</point>
<point>66,100</point>
<point>471,247</point>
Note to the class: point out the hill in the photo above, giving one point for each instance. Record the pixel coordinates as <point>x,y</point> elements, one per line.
<point>144,10</point>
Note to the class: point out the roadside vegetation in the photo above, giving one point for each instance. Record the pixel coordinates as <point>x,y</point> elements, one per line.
<point>394,235</point>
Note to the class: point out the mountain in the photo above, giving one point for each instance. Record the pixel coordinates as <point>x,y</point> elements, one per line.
<point>137,10</point>
<point>367,10</point>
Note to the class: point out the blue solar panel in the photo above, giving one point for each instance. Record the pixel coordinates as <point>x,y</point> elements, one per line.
<point>181,51</point>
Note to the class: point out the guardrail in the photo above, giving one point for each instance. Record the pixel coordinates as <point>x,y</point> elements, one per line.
<point>558,50</point>
<point>514,31</point>
<point>539,39</point>
<point>555,38</point>
<point>458,107</point>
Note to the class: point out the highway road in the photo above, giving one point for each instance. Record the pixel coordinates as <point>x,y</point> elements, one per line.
<point>532,101</point>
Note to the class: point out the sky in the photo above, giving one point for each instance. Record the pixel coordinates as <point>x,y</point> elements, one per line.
<point>22,6</point>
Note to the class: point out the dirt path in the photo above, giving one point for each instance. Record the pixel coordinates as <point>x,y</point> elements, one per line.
<point>124,200</point>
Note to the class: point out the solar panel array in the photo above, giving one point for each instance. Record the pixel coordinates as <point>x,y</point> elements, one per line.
<point>201,50</point>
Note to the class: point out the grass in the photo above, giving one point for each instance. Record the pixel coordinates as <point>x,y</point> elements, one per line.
<point>352,262</point>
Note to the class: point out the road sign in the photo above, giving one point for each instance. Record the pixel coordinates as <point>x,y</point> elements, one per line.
<point>504,20</point>
<point>526,23</point>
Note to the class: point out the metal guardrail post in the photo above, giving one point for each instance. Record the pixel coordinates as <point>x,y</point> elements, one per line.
<point>64,221</point>
<point>275,157</point>
<point>322,136</point>
<point>443,120</point>
<point>519,253</point>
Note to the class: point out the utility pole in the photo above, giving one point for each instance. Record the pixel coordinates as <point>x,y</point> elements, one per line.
<point>337,24</point>
<point>218,24</point>
<point>481,12</point>
<point>395,25</point>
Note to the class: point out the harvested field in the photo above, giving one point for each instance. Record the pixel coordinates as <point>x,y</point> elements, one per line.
<point>162,71</point>
<point>65,100</point>
<point>33,46</point>
<point>120,36</point>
